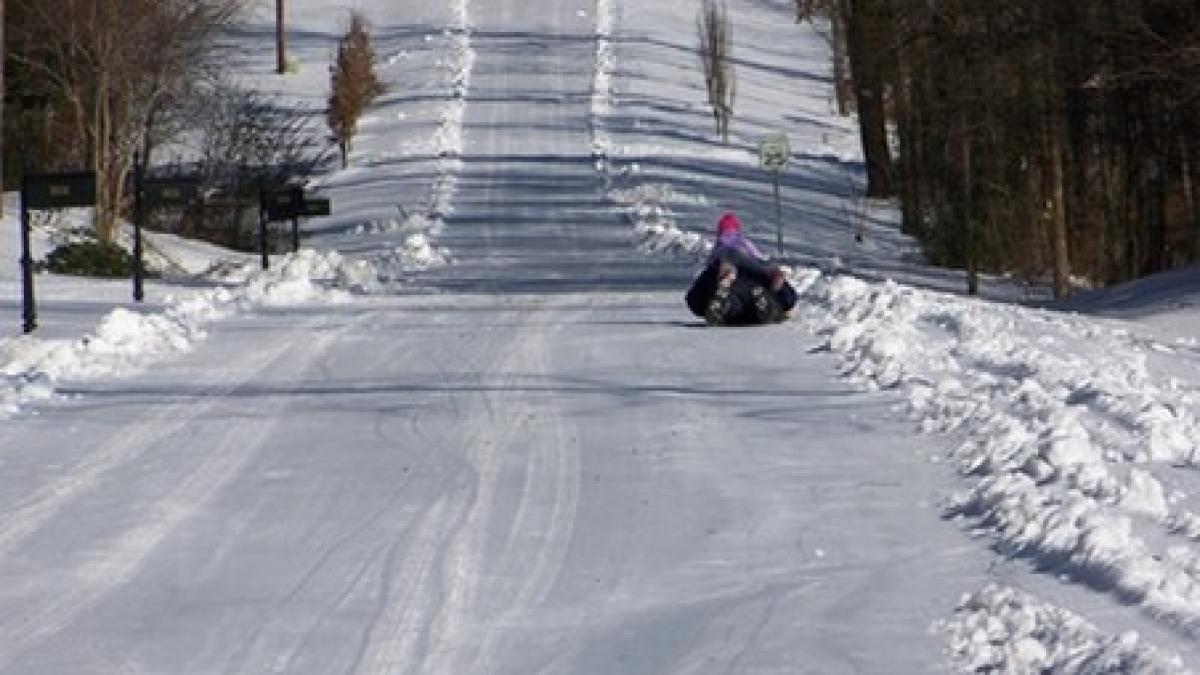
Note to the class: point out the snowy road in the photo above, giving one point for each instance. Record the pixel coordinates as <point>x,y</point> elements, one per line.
<point>540,464</point>
<point>476,483</point>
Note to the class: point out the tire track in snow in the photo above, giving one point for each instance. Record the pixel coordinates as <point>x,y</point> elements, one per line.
<point>409,595</point>
<point>399,627</point>
<point>435,595</point>
<point>543,526</point>
<point>428,589</point>
<point>87,475</point>
<point>393,551</point>
<point>463,560</point>
<point>118,563</point>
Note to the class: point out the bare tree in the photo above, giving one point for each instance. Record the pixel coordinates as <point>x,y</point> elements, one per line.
<point>353,83</point>
<point>835,12</point>
<point>112,66</point>
<point>247,137</point>
<point>716,44</point>
<point>248,141</point>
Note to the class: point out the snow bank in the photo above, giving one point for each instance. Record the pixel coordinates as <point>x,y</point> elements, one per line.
<point>420,222</point>
<point>1003,630</point>
<point>648,207</point>
<point>392,268</point>
<point>418,253</point>
<point>1065,429</point>
<point>446,144</point>
<point>602,82</point>
<point>448,139</point>
<point>124,341</point>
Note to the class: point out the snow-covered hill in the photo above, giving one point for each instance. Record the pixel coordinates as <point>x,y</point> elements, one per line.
<point>508,247</point>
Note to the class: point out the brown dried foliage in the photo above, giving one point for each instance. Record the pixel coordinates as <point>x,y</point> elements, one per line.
<point>353,83</point>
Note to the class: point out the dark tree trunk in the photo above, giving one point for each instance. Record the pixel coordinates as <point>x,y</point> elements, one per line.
<point>841,79</point>
<point>910,185</point>
<point>1153,182</point>
<point>969,216</point>
<point>862,31</point>
<point>1188,183</point>
<point>1056,193</point>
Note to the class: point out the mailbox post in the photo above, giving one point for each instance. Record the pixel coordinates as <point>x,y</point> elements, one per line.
<point>154,193</point>
<point>28,307</point>
<point>262,230</point>
<point>774,153</point>
<point>277,206</point>
<point>297,208</point>
<point>47,191</point>
<point>288,205</point>
<point>138,292</point>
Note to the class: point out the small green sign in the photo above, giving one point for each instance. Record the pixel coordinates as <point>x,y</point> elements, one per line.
<point>774,152</point>
<point>59,190</point>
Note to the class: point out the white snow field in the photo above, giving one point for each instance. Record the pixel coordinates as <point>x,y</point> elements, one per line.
<point>472,428</point>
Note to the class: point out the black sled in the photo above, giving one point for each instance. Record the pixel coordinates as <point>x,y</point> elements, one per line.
<point>745,298</point>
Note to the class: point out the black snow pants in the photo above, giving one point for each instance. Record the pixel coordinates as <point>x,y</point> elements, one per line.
<point>740,310</point>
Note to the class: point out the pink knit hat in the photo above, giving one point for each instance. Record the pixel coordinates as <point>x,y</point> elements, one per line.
<point>728,223</point>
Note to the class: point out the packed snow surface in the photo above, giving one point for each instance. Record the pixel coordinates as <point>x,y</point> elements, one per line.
<point>470,427</point>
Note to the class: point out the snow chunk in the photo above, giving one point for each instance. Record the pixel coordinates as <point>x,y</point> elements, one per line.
<point>1004,630</point>
<point>1146,495</point>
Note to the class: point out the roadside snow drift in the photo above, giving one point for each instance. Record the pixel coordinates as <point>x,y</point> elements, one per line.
<point>1003,630</point>
<point>125,341</point>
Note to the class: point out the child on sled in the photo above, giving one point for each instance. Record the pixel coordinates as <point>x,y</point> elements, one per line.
<point>739,286</point>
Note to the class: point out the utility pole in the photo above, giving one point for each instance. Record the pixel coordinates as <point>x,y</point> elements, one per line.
<point>280,39</point>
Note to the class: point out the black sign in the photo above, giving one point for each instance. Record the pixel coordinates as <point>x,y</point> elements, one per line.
<point>293,203</point>
<point>283,204</point>
<point>316,206</point>
<point>59,190</point>
<point>160,192</point>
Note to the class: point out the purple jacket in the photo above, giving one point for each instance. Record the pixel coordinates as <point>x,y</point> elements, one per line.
<point>735,242</point>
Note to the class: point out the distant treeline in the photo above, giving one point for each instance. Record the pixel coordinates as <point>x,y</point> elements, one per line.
<point>1055,139</point>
